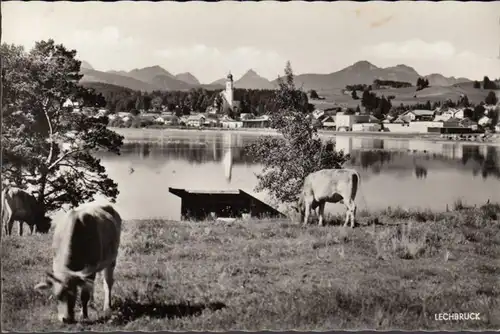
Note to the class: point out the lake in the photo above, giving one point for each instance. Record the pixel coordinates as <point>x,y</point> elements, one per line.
<point>408,173</point>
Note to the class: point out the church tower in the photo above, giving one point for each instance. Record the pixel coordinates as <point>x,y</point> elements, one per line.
<point>229,89</point>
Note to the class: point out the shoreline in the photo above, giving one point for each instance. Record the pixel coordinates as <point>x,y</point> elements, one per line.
<point>133,134</point>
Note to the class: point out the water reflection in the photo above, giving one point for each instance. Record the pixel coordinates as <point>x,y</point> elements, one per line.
<point>375,155</point>
<point>420,172</point>
<point>395,172</point>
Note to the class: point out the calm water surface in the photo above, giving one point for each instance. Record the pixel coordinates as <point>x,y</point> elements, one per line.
<point>395,172</point>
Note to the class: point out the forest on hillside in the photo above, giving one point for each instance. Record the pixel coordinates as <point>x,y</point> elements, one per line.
<point>120,99</point>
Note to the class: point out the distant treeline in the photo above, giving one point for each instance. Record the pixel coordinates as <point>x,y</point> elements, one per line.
<point>390,83</point>
<point>487,84</point>
<point>377,84</point>
<point>361,87</point>
<point>120,99</point>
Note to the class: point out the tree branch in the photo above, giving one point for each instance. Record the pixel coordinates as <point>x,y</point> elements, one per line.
<point>51,133</point>
<point>64,157</point>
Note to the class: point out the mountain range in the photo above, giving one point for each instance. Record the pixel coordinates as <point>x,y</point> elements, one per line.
<point>362,72</point>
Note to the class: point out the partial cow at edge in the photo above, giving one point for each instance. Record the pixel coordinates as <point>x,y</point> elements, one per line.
<point>332,186</point>
<point>85,242</point>
<point>18,204</point>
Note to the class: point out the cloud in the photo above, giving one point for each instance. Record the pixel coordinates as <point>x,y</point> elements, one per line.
<point>108,36</point>
<point>213,63</point>
<point>413,49</point>
<point>381,22</point>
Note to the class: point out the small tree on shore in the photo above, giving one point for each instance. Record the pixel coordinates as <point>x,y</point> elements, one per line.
<point>46,146</point>
<point>298,151</point>
<point>491,98</point>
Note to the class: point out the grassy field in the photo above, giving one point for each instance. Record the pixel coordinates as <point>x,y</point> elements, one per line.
<point>407,96</point>
<point>396,270</point>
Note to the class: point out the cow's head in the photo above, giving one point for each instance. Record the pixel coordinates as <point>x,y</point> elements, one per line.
<point>44,225</point>
<point>299,207</point>
<point>64,291</point>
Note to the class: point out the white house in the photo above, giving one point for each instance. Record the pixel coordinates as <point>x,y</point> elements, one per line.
<point>418,115</point>
<point>484,121</point>
<point>123,114</point>
<point>229,123</point>
<point>344,122</point>
<point>246,115</point>
<point>318,113</point>
<point>196,120</point>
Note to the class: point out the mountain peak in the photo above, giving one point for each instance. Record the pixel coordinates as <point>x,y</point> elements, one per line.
<point>363,64</point>
<point>252,80</point>
<point>251,71</point>
<point>187,77</point>
<point>85,64</point>
<point>156,68</point>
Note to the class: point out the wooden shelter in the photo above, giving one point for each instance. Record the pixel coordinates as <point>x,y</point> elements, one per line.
<point>202,204</point>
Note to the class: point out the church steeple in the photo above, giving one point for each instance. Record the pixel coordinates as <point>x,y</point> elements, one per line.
<point>229,89</point>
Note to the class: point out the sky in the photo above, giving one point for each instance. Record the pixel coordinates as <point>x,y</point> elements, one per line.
<point>460,39</point>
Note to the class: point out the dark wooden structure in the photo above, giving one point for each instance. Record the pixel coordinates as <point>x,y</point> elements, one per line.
<point>452,130</point>
<point>199,204</point>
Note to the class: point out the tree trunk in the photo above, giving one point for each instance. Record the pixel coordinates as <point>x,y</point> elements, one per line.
<point>41,192</point>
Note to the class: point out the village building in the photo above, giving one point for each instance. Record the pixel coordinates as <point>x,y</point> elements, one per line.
<point>484,121</point>
<point>318,113</point>
<point>328,122</point>
<point>211,121</point>
<point>246,115</point>
<point>260,122</point>
<point>229,123</point>
<point>167,120</point>
<point>196,120</point>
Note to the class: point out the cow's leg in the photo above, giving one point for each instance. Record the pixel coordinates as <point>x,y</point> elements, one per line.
<point>350,212</point>
<point>353,213</point>
<point>347,216</point>
<point>10,225</point>
<point>86,295</point>
<point>21,228</point>
<point>32,229</point>
<point>321,213</point>
<point>307,205</point>
<point>108,281</point>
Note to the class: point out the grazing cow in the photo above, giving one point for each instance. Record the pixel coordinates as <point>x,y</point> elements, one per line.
<point>18,204</point>
<point>332,186</point>
<point>85,242</point>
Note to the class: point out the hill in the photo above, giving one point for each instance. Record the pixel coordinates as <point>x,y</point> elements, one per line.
<point>364,72</point>
<point>221,81</point>
<point>251,80</point>
<point>188,78</point>
<point>115,79</point>
<point>86,65</point>
<point>102,87</point>
<point>407,95</point>
<point>437,79</point>
<point>165,82</point>
<point>147,74</point>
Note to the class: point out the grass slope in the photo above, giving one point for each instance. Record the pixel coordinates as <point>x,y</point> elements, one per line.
<point>406,96</point>
<point>277,275</point>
